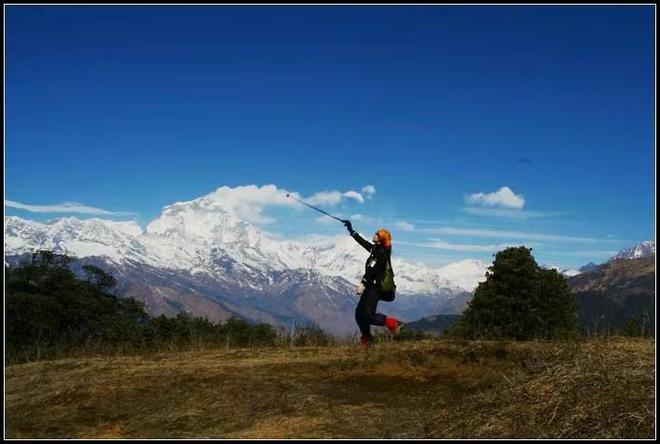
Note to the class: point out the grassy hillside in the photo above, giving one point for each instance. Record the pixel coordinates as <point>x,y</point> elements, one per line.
<point>435,388</point>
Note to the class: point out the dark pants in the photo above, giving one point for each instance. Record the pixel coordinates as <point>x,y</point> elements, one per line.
<point>365,312</point>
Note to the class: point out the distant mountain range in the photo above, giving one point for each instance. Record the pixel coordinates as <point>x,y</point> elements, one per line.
<point>589,267</point>
<point>609,295</point>
<point>641,250</point>
<point>201,259</point>
<point>644,249</point>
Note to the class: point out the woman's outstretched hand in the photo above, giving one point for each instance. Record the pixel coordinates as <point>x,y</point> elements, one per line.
<point>360,288</point>
<point>348,225</point>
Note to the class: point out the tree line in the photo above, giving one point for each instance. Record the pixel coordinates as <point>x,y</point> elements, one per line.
<point>52,312</point>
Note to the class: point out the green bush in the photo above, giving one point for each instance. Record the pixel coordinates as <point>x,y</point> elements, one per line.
<point>519,300</point>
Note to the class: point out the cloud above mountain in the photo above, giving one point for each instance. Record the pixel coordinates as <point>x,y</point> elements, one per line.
<point>502,198</point>
<point>354,195</point>
<point>65,207</point>
<point>503,203</point>
<point>334,197</point>
<point>248,202</point>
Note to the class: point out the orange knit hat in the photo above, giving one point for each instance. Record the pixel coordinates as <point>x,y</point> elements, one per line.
<point>384,237</point>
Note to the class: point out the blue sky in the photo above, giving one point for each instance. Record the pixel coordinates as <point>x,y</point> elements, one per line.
<point>477,126</point>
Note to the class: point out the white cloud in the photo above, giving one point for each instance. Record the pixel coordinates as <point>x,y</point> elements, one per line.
<point>368,191</point>
<point>65,207</point>
<point>509,234</point>
<point>404,226</point>
<point>443,245</point>
<point>252,194</point>
<point>248,201</point>
<point>504,197</point>
<point>334,197</point>
<point>354,195</point>
<point>325,198</point>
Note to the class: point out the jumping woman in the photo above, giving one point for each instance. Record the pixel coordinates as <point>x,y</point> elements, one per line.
<point>369,287</point>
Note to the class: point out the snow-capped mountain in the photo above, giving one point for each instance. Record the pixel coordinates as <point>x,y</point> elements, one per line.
<point>567,272</point>
<point>198,257</point>
<point>92,237</point>
<point>199,237</point>
<point>644,249</point>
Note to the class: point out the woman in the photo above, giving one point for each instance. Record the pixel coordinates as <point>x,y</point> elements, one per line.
<point>369,287</point>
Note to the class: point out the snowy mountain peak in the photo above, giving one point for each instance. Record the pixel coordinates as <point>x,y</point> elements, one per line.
<point>466,274</point>
<point>644,249</point>
<point>73,236</point>
<point>97,226</point>
<point>197,221</point>
<point>567,272</point>
<point>201,237</point>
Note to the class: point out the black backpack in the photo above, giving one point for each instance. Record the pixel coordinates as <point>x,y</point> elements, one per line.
<point>387,287</point>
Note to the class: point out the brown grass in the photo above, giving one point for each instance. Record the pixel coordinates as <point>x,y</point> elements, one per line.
<point>426,389</point>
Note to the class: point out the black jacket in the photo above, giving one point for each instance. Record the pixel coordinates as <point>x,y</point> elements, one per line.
<point>375,265</point>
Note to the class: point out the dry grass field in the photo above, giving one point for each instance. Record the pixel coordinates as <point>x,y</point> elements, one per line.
<point>599,388</point>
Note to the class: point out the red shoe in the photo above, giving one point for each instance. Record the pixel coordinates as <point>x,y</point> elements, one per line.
<point>393,325</point>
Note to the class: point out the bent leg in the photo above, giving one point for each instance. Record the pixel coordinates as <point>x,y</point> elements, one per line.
<point>366,309</point>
